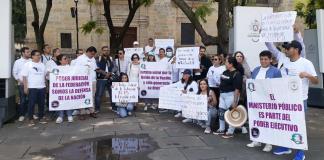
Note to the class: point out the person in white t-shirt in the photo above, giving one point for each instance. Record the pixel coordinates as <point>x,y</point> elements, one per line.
<point>78,53</point>
<point>150,47</point>
<point>16,72</point>
<point>34,73</point>
<point>303,68</point>
<point>214,73</point>
<point>162,57</point>
<point>52,63</point>
<point>46,56</point>
<point>121,62</point>
<point>264,71</point>
<point>88,60</point>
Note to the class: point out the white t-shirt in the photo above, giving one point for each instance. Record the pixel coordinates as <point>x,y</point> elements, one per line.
<point>50,65</point>
<point>192,88</point>
<point>84,60</point>
<point>163,60</point>
<point>46,58</point>
<point>148,49</point>
<point>133,72</point>
<point>17,68</point>
<point>35,74</point>
<point>301,65</point>
<point>262,73</point>
<point>214,74</point>
<point>123,65</point>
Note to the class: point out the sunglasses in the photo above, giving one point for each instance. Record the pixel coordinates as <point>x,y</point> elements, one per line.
<point>135,58</point>
<point>216,59</point>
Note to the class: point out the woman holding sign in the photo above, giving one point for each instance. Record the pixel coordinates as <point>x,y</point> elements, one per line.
<point>230,89</point>
<point>63,61</point>
<point>133,68</point>
<point>124,109</point>
<point>150,102</point>
<point>212,101</point>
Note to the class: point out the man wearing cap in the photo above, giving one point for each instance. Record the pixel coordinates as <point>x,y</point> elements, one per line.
<point>280,56</point>
<point>303,68</point>
<point>263,72</point>
<point>135,44</point>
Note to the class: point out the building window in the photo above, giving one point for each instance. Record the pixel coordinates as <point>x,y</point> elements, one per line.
<point>187,34</point>
<point>66,40</point>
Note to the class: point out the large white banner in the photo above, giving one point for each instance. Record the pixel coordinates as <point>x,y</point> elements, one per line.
<point>188,58</point>
<point>320,35</point>
<point>70,88</point>
<point>247,24</point>
<point>130,51</point>
<point>6,41</point>
<point>276,112</point>
<point>195,107</point>
<point>278,27</point>
<point>124,92</point>
<point>163,43</point>
<point>153,76</point>
<point>192,106</point>
<point>170,98</point>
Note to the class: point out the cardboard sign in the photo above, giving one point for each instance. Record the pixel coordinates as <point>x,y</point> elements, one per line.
<point>188,58</point>
<point>124,92</point>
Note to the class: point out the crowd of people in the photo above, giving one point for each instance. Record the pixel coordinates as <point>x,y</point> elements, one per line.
<point>221,77</point>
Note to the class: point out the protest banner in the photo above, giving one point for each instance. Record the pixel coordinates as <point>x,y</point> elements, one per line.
<point>130,51</point>
<point>278,27</point>
<point>124,92</point>
<point>70,88</point>
<point>163,43</point>
<point>188,58</point>
<point>195,107</point>
<point>170,98</point>
<point>276,112</point>
<point>153,76</point>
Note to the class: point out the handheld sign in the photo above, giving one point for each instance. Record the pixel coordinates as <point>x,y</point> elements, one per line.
<point>124,92</point>
<point>188,58</point>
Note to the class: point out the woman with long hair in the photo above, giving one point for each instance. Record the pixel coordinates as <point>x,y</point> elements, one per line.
<point>230,89</point>
<point>203,89</point>
<point>124,109</point>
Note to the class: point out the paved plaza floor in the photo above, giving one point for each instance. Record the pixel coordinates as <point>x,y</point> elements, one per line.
<point>165,138</point>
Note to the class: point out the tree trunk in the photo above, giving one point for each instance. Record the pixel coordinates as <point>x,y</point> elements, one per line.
<point>39,29</point>
<point>222,25</point>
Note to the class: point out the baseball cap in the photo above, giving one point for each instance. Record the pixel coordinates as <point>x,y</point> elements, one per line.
<point>187,71</point>
<point>295,44</point>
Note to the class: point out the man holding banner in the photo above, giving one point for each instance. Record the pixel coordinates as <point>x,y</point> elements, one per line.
<point>303,68</point>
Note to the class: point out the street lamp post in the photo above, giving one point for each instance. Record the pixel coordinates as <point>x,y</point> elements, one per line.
<point>77,21</point>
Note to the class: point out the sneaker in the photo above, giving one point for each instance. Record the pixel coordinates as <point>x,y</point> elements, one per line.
<point>59,120</point>
<point>21,118</point>
<point>187,120</point>
<point>75,112</point>
<point>219,132</point>
<point>281,151</point>
<point>267,148</point>
<point>202,124</point>
<point>97,111</point>
<point>254,144</point>
<point>207,130</point>
<point>35,117</point>
<point>244,130</point>
<point>129,113</point>
<point>31,123</point>
<point>70,119</point>
<point>178,115</point>
<point>43,121</point>
<point>228,135</point>
<point>300,155</point>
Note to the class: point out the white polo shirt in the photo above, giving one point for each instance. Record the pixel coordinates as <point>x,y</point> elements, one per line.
<point>35,74</point>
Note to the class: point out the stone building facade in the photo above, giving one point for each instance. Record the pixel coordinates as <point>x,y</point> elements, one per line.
<point>162,19</point>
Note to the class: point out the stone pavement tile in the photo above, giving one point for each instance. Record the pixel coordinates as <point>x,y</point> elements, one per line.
<point>215,140</point>
<point>116,127</point>
<point>151,133</point>
<point>132,119</point>
<point>167,154</point>
<point>316,144</point>
<point>190,131</point>
<point>13,152</point>
<point>67,138</point>
<point>161,125</point>
<point>19,130</point>
<point>173,142</point>
<point>33,139</point>
<point>65,128</point>
<point>33,152</point>
<point>145,114</point>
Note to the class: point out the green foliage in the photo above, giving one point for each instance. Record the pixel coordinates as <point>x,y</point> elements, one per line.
<point>146,2</point>
<point>100,30</point>
<point>88,27</point>
<point>203,11</point>
<point>19,19</point>
<point>307,10</point>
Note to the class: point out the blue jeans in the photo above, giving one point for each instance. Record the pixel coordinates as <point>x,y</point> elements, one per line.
<point>123,111</point>
<point>100,90</point>
<point>68,112</point>
<point>36,96</point>
<point>225,102</point>
<point>23,101</point>
<point>212,113</point>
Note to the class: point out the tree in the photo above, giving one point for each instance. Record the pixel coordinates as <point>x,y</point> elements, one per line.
<point>225,8</point>
<point>39,28</point>
<point>19,20</point>
<point>117,38</point>
<point>307,10</point>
